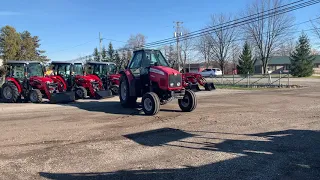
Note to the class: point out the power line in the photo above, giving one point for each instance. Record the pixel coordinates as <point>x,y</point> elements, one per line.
<point>282,11</point>
<point>209,28</point>
<point>278,11</point>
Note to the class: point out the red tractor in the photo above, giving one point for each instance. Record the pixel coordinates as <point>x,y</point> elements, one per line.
<point>106,71</point>
<point>26,79</point>
<point>71,77</point>
<point>193,80</point>
<point>150,76</point>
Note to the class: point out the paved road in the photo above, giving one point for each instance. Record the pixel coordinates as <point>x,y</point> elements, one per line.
<point>259,134</point>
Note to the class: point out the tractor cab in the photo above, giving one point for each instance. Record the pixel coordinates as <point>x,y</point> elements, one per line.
<point>71,77</point>
<point>101,69</point>
<point>26,79</point>
<point>107,72</point>
<point>24,69</point>
<point>150,76</point>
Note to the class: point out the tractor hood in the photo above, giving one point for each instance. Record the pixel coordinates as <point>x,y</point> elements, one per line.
<point>89,78</point>
<point>163,70</point>
<point>41,79</point>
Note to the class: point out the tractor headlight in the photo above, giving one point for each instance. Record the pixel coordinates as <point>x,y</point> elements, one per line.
<point>171,84</point>
<point>178,83</point>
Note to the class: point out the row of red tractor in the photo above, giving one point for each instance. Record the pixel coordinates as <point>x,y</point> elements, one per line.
<point>148,75</point>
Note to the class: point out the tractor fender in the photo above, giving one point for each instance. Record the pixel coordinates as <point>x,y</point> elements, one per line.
<point>15,82</point>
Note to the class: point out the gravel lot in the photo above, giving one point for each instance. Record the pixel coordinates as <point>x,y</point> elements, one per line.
<point>233,134</point>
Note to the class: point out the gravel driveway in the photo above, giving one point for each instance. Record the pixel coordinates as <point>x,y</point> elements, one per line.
<point>233,134</point>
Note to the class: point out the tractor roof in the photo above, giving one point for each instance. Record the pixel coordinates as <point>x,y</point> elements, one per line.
<point>146,50</point>
<point>60,62</point>
<point>97,62</point>
<point>23,62</point>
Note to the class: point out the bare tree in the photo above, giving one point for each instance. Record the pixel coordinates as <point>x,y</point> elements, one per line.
<point>170,54</point>
<point>316,27</point>
<point>285,49</point>
<point>136,41</point>
<point>203,47</point>
<point>267,33</point>
<point>186,47</point>
<point>222,40</point>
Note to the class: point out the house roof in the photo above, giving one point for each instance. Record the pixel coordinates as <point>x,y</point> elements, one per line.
<point>279,60</point>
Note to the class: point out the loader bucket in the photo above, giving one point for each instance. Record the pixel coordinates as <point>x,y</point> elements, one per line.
<point>63,97</point>
<point>209,86</point>
<point>103,94</point>
<point>194,87</point>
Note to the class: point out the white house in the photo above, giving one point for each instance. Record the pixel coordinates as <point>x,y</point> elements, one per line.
<point>1,62</point>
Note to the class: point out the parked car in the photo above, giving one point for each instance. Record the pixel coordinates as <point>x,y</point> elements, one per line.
<point>211,72</point>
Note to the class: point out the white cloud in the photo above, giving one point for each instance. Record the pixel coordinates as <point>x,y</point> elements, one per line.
<point>9,13</point>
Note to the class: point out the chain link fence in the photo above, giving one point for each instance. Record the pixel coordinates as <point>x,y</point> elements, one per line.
<point>253,80</point>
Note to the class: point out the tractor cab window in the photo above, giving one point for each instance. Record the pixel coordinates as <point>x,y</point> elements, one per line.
<point>155,58</point>
<point>135,64</point>
<point>78,69</point>
<point>112,69</point>
<point>64,69</point>
<point>35,69</point>
<point>100,69</point>
<point>136,61</point>
<point>17,71</point>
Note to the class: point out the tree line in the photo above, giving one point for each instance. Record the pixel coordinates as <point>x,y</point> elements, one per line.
<point>121,56</point>
<point>242,46</point>
<point>20,46</point>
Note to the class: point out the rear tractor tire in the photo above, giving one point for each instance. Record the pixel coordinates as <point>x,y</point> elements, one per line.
<point>150,103</point>
<point>10,93</point>
<point>81,92</point>
<point>126,100</point>
<point>189,101</point>
<point>35,96</point>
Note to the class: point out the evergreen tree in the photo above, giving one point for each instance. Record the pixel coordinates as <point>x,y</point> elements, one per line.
<point>117,60</point>
<point>111,53</point>
<point>302,58</point>
<point>9,43</point>
<point>28,47</point>
<point>96,55</point>
<point>104,54</point>
<point>39,53</point>
<point>246,63</point>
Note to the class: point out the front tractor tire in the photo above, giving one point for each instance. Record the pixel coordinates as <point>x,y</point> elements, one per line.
<point>150,103</point>
<point>35,96</point>
<point>81,92</point>
<point>10,93</point>
<point>189,101</point>
<point>126,100</point>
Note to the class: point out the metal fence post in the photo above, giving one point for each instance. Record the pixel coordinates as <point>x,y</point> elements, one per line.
<point>288,78</point>
<point>280,79</point>
<point>222,78</point>
<point>232,77</point>
<point>248,80</point>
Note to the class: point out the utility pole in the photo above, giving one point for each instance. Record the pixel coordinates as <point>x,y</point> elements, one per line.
<point>177,34</point>
<point>100,46</point>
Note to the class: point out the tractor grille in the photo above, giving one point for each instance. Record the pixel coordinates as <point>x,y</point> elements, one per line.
<point>52,87</point>
<point>95,85</point>
<point>175,79</point>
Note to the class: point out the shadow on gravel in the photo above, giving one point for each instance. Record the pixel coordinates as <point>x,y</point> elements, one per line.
<point>290,154</point>
<point>158,137</point>
<point>111,107</point>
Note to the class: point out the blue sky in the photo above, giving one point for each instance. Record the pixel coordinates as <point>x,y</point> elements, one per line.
<point>69,29</point>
